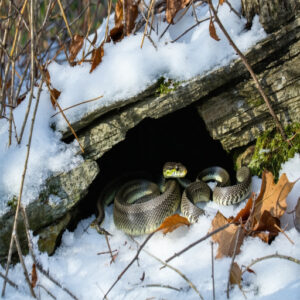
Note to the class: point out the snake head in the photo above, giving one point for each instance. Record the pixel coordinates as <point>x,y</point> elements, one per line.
<point>174,170</point>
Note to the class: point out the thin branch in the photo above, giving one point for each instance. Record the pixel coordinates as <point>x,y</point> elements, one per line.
<point>149,12</point>
<point>197,242</point>
<point>213,270</point>
<point>32,69</point>
<point>276,255</point>
<point>65,18</point>
<point>129,265</point>
<point>83,102</point>
<point>107,21</point>
<point>23,265</point>
<point>233,258</point>
<point>9,281</point>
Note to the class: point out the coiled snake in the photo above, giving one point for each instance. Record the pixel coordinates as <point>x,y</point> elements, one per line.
<point>140,207</point>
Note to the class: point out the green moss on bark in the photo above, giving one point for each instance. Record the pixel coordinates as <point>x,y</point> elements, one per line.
<point>271,150</point>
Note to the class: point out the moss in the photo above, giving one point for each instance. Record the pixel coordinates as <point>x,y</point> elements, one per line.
<point>271,150</point>
<point>13,202</point>
<point>166,86</point>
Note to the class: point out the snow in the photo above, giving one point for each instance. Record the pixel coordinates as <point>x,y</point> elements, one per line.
<point>88,275</point>
<point>127,69</point>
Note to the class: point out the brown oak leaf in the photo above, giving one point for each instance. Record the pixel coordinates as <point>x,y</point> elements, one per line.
<point>227,237</point>
<point>34,277</point>
<point>173,6</point>
<point>235,274</point>
<point>212,30</point>
<point>97,55</point>
<point>172,222</point>
<point>272,197</point>
<point>75,46</point>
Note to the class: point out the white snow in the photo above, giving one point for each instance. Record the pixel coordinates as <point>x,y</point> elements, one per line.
<point>126,70</point>
<point>77,266</point>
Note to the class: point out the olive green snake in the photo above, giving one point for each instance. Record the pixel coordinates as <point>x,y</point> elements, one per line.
<point>140,207</point>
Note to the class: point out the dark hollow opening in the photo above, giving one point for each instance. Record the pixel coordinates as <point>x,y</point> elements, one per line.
<point>180,136</point>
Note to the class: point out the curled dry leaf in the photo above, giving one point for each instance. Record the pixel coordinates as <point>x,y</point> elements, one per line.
<point>235,274</point>
<point>34,277</point>
<point>117,33</point>
<point>212,30</point>
<point>119,13</point>
<point>173,7</point>
<point>227,237</point>
<point>97,55</point>
<point>173,222</point>
<point>75,46</point>
<point>131,13</point>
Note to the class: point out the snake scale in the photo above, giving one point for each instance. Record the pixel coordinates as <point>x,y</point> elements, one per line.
<point>140,207</point>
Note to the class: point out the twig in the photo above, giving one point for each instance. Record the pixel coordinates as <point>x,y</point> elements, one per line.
<point>106,252</point>
<point>65,19</point>
<point>32,69</point>
<point>47,291</point>
<point>233,257</point>
<point>283,232</point>
<point>276,255</point>
<point>107,21</point>
<point>9,281</point>
<point>129,265</point>
<point>249,68</point>
<point>174,269</point>
<point>83,102</point>
<point>213,270</point>
<point>161,286</point>
<point>21,191</point>
<point>232,9</point>
<point>149,12</point>
<point>109,248</point>
<point>23,265</point>
<point>197,242</point>
<point>186,31</point>
<point>47,274</point>
<point>60,109</point>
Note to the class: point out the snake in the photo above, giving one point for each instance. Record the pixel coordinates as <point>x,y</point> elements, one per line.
<point>140,206</point>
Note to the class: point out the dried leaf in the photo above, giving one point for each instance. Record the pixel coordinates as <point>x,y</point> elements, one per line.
<point>244,212</point>
<point>173,7</point>
<point>212,31</point>
<point>235,274</point>
<point>34,277</point>
<point>267,227</point>
<point>97,55</point>
<point>221,2</point>
<point>54,94</point>
<point>250,270</point>
<point>227,237</point>
<point>272,197</point>
<point>173,222</point>
<point>117,33</point>
<point>75,46</point>
<point>131,13</point>
<point>20,99</point>
<point>119,13</point>
<point>297,215</point>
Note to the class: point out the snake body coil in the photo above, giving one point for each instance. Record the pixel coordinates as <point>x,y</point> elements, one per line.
<point>139,208</point>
